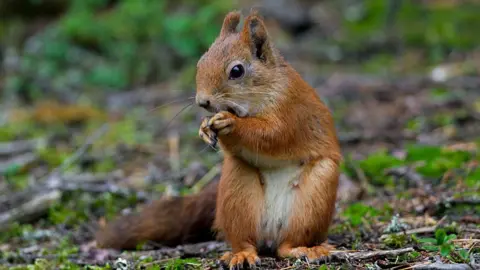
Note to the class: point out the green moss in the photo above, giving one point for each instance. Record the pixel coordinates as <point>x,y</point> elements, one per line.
<point>437,161</point>
<point>14,230</point>
<point>375,164</point>
<point>76,207</point>
<point>18,182</point>
<point>396,241</point>
<point>180,264</point>
<point>107,164</point>
<point>356,212</point>
<point>473,178</point>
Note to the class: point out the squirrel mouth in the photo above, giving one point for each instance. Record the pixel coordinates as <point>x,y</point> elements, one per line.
<point>238,111</point>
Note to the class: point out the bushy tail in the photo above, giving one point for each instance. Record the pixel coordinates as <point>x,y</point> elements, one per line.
<point>170,222</point>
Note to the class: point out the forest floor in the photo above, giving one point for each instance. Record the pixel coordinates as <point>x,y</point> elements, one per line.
<point>409,196</point>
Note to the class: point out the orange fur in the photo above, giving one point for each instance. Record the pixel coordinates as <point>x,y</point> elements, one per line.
<point>279,140</point>
<point>280,173</point>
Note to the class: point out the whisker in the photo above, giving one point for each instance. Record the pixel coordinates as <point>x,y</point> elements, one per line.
<point>169,103</point>
<point>176,115</point>
<point>204,148</point>
<point>208,146</point>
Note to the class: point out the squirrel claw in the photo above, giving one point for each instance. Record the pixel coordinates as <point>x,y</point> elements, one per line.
<point>237,260</point>
<point>221,123</point>
<point>256,264</point>
<point>207,134</point>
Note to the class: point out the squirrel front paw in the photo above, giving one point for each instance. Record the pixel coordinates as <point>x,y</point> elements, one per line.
<point>222,123</point>
<point>206,134</point>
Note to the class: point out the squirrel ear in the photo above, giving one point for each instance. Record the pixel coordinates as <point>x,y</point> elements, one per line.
<point>255,34</point>
<point>230,23</point>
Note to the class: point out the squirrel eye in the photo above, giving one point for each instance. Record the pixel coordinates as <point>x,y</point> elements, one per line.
<point>236,72</point>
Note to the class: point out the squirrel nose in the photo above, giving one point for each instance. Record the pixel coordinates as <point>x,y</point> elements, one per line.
<point>203,102</point>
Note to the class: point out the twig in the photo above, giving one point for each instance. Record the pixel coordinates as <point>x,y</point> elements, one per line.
<point>44,195</point>
<point>207,178</point>
<point>190,250</point>
<point>81,151</point>
<point>407,173</point>
<point>428,229</point>
<point>102,188</point>
<point>471,230</point>
<point>15,147</point>
<point>18,162</point>
<point>92,178</point>
<point>174,158</point>
<point>363,178</point>
<point>443,266</point>
<point>450,201</point>
<point>366,255</point>
<point>33,208</point>
<point>157,262</point>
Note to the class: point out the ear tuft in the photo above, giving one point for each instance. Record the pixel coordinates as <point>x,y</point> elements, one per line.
<point>230,23</point>
<point>255,34</point>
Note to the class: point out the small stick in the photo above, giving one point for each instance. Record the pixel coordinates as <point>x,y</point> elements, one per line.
<point>36,206</point>
<point>471,230</point>
<point>157,262</point>
<point>81,151</point>
<point>428,229</point>
<point>443,266</point>
<point>207,178</point>
<point>366,255</point>
<point>412,231</point>
<point>174,158</point>
<point>15,147</point>
<point>18,162</point>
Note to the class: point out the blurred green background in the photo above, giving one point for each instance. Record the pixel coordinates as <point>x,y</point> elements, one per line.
<point>69,67</point>
<point>56,46</point>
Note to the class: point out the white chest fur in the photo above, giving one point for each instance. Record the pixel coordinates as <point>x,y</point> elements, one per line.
<point>279,198</point>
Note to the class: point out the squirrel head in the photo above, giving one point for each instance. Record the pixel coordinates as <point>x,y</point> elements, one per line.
<point>241,72</point>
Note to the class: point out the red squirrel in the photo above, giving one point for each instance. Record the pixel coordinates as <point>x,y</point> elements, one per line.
<point>280,171</point>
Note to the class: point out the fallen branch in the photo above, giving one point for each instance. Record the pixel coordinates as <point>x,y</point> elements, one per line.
<point>101,188</point>
<point>36,200</point>
<point>342,256</point>
<point>17,162</point>
<point>92,178</point>
<point>407,173</point>
<point>16,147</point>
<point>471,230</point>
<point>207,178</point>
<point>452,201</point>
<point>81,151</point>
<point>35,207</point>
<point>173,188</point>
<point>428,229</point>
<point>184,251</point>
<point>443,266</point>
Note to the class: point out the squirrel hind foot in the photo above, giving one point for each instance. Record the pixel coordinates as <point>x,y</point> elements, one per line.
<point>309,253</point>
<point>237,260</point>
